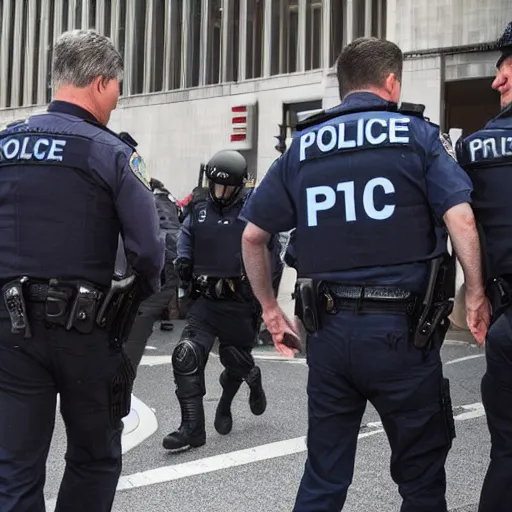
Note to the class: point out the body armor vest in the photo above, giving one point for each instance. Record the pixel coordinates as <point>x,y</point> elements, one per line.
<point>361,194</point>
<point>487,158</point>
<point>57,216</point>
<point>218,240</point>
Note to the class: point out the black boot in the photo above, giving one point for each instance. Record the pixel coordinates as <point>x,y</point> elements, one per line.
<point>257,398</point>
<point>223,418</point>
<point>191,433</point>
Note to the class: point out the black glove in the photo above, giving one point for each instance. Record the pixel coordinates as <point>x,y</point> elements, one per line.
<point>184,269</point>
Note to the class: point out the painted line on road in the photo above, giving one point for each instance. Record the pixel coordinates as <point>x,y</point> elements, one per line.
<point>256,454</point>
<point>147,425</point>
<point>218,462</point>
<point>467,358</point>
<point>155,360</point>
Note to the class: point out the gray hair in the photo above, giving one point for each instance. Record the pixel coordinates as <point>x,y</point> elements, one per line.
<point>81,56</point>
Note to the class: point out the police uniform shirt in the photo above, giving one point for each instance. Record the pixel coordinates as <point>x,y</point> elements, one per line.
<point>349,158</point>
<point>68,188</point>
<point>487,157</point>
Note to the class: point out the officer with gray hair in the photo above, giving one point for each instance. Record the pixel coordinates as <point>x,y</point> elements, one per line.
<point>68,186</point>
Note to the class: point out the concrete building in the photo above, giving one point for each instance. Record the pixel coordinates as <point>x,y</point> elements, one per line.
<point>202,75</point>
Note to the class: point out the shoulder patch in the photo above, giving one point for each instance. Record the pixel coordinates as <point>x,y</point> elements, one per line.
<point>447,144</point>
<point>138,167</point>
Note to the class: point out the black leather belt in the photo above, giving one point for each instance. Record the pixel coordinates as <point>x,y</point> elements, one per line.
<point>369,298</point>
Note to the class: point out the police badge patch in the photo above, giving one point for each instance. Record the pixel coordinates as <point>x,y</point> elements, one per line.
<point>138,167</point>
<point>447,144</point>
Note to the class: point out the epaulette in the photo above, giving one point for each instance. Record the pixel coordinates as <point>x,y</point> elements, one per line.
<point>13,124</point>
<point>412,109</point>
<point>124,136</point>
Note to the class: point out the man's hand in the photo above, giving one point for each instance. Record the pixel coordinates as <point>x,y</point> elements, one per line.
<point>478,314</point>
<point>284,332</point>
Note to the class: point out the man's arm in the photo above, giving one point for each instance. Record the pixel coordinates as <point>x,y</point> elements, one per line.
<point>461,226</point>
<point>140,230</point>
<point>257,264</point>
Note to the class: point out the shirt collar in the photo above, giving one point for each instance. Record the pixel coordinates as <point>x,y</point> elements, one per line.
<point>65,107</point>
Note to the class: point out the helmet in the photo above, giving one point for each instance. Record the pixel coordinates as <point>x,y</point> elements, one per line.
<point>228,168</point>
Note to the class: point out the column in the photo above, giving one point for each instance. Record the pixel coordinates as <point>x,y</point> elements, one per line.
<point>115,19</point>
<point>16,56</point>
<point>186,68</point>
<point>348,36</point>
<point>267,38</point>
<point>368,18</point>
<point>169,43</point>
<point>203,45</point>
<point>85,14</point>
<point>100,16</point>
<point>301,49</point>
<point>44,43</point>
<point>227,42</point>
<point>128,48</point>
<point>242,36</point>
<point>5,51</point>
<point>71,14</point>
<point>57,17</point>
<point>149,54</point>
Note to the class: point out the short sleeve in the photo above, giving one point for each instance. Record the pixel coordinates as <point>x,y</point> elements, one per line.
<point>270,206</point>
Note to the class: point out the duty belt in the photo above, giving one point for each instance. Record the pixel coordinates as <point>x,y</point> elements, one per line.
<point>368,298</point>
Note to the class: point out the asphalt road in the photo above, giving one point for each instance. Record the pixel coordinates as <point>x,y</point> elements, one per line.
<point>259,465</point>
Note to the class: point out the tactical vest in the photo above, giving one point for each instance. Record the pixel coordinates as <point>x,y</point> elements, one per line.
<point>218,240</point>
<point>487,158</point>
<point>361,196</point>
<point>57,216</point>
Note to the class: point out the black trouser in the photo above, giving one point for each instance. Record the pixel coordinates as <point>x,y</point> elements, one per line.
<point>94,382</point>
<point>235,324</point>
<point>150,311</point>
<point>497,399</point>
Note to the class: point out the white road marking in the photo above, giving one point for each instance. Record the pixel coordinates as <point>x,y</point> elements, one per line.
<point>147,425</point>
<point>149,347</point>
<point>250,455</point>
<point>218,462</point>
<point>155,360</point>
<point>467,358</point>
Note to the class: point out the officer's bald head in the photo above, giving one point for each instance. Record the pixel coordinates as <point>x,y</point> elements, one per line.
<point>369,63</point>
<point>87,66</point>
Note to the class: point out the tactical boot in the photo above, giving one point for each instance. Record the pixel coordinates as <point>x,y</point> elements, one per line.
<point>257,398</point>
<point>223,418</point>
<point>191,433</point>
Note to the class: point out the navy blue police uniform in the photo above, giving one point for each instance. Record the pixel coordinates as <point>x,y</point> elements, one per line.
<point>366,188</point>
<point>225,308</point>
<point>487,157</point>
<point>68,187</point>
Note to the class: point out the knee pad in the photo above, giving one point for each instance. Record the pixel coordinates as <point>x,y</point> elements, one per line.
<point>187,358</point>
<point>236,360</point>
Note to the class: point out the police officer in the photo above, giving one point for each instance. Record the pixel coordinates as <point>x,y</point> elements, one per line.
<point>209,253</point>
<point>365,185</point>
<point>59,170</point>
<point>487,157</point>
<point>153,308</point>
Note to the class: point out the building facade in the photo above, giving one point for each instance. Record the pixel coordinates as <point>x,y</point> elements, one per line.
<point>204,75</point>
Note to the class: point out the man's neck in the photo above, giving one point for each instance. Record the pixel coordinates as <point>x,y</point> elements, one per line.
<point>77,97</point>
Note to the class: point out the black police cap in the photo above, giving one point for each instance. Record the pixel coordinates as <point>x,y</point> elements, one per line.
<point>505,44</point>
<point>227,167</point>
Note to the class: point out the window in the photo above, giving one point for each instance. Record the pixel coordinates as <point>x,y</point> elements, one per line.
<point>214,43</point>
<point>337,22</point>
<point>313,34</point>
<point>284,39</point>
<point>194,56</point>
